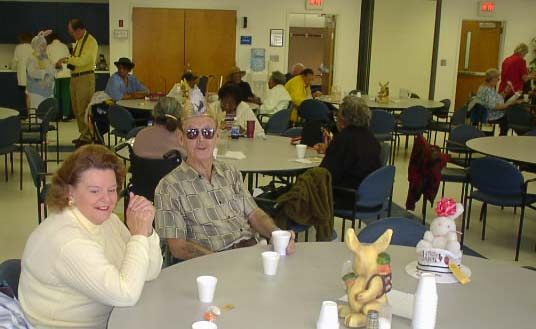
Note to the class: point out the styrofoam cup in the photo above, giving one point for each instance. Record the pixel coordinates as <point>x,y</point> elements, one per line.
<point>329,316</point>
<point>300,150</point>
<point>204,325</point>
<point>206,286</point>
<point>270,259</point>
<point>280,240</point>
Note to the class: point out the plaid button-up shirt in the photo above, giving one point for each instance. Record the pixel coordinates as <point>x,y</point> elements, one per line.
<point>212,214</point>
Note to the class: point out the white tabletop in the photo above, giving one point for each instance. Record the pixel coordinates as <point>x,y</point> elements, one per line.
<point>519,149</point>
<point>394,103</point>
<point>499,296</point>
<point>137,104</point>
<point>7,112</point>
<point>263,154</point>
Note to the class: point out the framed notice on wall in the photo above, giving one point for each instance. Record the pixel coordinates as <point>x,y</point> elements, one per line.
<point>276,37</point>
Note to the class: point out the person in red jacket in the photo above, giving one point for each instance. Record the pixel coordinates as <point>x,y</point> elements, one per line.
<point>514,71</point>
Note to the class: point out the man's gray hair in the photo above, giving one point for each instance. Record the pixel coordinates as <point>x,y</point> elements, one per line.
<point>354,111</point>
<point>278,77</point>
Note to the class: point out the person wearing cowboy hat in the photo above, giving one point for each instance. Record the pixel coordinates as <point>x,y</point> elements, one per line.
<point>123,85</point>
<point>235,77</point>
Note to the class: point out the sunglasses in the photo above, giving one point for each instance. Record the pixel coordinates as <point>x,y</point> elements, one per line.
<point>193,133</point>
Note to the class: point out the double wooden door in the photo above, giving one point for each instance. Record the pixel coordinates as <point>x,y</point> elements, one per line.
<point>167,42</point>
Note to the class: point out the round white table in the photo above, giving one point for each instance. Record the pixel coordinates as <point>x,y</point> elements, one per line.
<point>7,112</point>
<point>394,103</point>
<point>519,149</point>
<point>137,104</point>
<point>499,296</point>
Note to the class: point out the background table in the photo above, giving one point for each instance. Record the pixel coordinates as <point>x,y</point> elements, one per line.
<point>499,296</point>
<point>394,103</point>
<point>520,149</point>
<point>7,112</point>
<point>137,104</point>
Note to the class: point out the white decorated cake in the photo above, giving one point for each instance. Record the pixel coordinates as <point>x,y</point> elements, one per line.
<point>439,246</point>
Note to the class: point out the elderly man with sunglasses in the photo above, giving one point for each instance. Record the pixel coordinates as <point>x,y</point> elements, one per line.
<point>202,206</point>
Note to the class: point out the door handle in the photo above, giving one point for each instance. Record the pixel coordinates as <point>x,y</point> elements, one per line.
<point>472,73</point>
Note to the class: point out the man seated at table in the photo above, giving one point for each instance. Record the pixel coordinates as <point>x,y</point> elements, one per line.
<point>202,206</point>
<point>299,89</point>
<point>235,78</point>
<point>122,84</point>
<point>277,97</point>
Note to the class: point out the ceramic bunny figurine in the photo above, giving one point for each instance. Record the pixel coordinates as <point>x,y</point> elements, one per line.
<point>367,291</point>
<point>442,233</point>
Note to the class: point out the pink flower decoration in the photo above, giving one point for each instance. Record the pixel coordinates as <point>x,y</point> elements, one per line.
<point>446,207</point>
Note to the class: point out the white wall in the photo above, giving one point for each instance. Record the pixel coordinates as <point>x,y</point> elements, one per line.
<point>402,41</point>
<point>262,16</point>
<point>520,26</point>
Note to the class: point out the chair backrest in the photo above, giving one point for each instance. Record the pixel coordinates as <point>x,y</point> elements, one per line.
<point>121,119</point>
<point>203,84</point>
<point>406,232</point>
<point>278,122</point>
<point>444,111</point>
<point>10,272</point>
<point>48,108</point>
<point>415,117</point>
<point>461,134</point>
<point>496,176</point>
<point>293,132</point>
<point>518,115</point>
<point>9,131</point>
<point>314,110</point>
<point>37,165</point>
<point>147,173</point>
<point>459,117</point>
<point>376,188</point>
<point>134,132</point>
<point>385,153</point>
<point>381,122</point>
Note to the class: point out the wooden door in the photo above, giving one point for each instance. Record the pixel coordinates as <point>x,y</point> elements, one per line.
<point>307,45</point>
<point>210,43</point>
<point>158,46</point>
<point>479,51</point>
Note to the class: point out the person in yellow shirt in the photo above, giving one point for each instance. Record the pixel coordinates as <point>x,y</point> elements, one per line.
<point>299,89</point>
<point>82,65</point>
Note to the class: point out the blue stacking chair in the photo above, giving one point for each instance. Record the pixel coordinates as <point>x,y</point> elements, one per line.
<point>413,121</point>
<point>499,183</point>
<point>314,110</point>
<point>278,123</point>
<point>406,232</point>
<point>382,125</point>
<point>122,122</point>
<point>10,273</point>
<point>372,197</point>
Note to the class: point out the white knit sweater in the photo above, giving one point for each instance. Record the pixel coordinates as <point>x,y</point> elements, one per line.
<point>74,272</point>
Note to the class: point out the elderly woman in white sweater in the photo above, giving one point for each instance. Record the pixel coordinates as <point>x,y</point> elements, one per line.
<point>82,260</point>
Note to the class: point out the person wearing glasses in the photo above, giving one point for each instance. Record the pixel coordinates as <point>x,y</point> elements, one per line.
<point>202,206</point>
<point>236,111</point>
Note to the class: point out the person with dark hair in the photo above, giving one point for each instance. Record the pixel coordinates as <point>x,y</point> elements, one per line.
<point>83,260</point>
<point>299,89</point>
<point>153,142</point>
<point>235,77</point>
<point>57,51</point>
<point>236,111</point>
<point>20,56</point>
<point>82,65</point>
<point>122,84</point>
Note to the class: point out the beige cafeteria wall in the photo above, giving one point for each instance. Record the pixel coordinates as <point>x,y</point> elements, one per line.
<point>262,16</point>
<point>520,26</point>
<point>402,41</point>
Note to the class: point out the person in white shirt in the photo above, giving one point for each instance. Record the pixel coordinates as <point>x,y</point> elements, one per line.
<point>20,56</point>
<point>57,51</point>
<point>236,111</point>
<point>83,260</point>
<point>277,97</point>
<point>40,72</point>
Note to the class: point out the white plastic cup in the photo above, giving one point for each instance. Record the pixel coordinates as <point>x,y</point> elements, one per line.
<point>280,240</point>
<point>526,98</point>
<point>300,150</point>
<point>270,259</point>
<point>425,303</point>
<point>204,325</point>
<point>329,316</point>
<point>206,286</point>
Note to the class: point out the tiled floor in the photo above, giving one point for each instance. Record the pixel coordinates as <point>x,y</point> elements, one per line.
<point>18,213</point>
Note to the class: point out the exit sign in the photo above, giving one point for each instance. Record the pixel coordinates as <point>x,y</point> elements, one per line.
<point>314,4</point>
<point>486,8</point>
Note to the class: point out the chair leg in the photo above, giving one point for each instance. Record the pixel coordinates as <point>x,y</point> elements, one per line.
<point>343,228</point>
<point>11,160</point>
<point>306,235</point>
<point>20,169</point>
<point>5,166</point>
<point>521,219</point>
<point>483,215</point>
<point>423,211</point>
<point>443,189</point>
<point>57,142</point>
<point>469,214</point>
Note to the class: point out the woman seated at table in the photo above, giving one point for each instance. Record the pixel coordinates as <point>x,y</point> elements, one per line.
<point>277,97</point>
<point>354,152</point>
<point>491,106</point>
<point>82,260</point>
<point>236,112</point>
<point>155,141</point>
<point>202,206</point>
